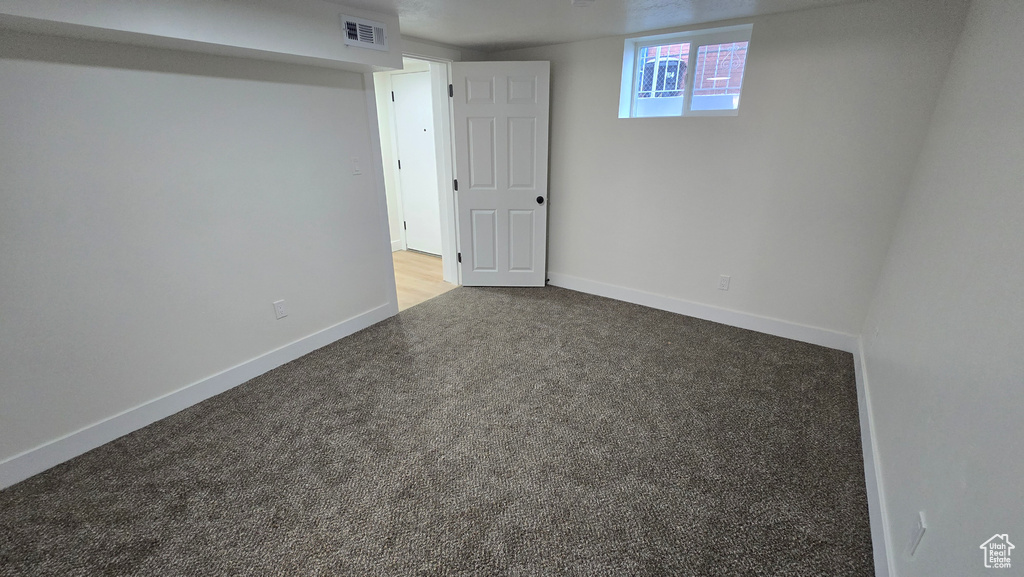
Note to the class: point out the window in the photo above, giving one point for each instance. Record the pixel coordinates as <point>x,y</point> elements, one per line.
<point>697,73</point>
<point>662,70</point>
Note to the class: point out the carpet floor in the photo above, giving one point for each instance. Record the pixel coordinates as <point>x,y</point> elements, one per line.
<point>484,432</point>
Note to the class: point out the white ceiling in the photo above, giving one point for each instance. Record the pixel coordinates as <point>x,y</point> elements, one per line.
<point>490,25</point>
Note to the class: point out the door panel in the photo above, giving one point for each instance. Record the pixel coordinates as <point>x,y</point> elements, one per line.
<point>481,153</point>
<point>501,150</point>
<point>485,241</point>
<point>520,225</point>
<point>522,90</point>
<point>522,153</point>
<point>480,89</point>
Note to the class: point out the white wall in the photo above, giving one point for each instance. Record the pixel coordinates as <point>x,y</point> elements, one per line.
<point>795,198</point>
<point>946,367</point>
<point>299,31</point>
<point>152,206</point>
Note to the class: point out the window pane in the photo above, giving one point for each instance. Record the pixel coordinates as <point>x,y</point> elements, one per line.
<point>718,76</point>
<point>661,79</point>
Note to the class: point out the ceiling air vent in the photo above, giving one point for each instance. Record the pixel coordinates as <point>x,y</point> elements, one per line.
<point>365,33</point>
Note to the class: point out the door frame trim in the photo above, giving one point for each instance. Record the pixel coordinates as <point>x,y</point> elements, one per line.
<point>440,76</point>
<point>392,144</point>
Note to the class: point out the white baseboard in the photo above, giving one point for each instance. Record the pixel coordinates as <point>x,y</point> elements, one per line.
<point>797,332</point>
<point>24,465</point>
<point>396,245</point>
<point>881,535</point>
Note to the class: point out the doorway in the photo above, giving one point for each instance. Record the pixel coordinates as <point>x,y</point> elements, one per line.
<point>415,134</point>
<point>500,110</point>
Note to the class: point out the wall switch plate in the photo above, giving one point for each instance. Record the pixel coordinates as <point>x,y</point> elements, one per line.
<point>279,309</point>
<point>357,167</point>
<point>918,534</point>
<point>723,282</point>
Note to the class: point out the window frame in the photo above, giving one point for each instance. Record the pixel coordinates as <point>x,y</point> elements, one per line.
<point>696,39</point>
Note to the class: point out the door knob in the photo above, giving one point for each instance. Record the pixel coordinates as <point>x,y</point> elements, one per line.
<point>540,200</point>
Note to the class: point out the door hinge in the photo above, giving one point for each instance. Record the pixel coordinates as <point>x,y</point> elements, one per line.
<point>451,92</point>
<point>460,257</point>
<point>456,184</point>
<point>405,225</point>
<point>392,96</point>
<point>399,164</point>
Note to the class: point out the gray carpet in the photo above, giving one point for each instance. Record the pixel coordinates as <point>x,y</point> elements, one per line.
<point>485,432</point>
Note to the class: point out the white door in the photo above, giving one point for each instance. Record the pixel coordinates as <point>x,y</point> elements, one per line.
<point>417,175</point>
<point>501,158</point>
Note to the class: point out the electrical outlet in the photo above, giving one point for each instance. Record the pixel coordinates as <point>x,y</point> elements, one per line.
<point>918,534</point>
<point>723,282</point>
<point>279,309</point>
<point>357,167</point>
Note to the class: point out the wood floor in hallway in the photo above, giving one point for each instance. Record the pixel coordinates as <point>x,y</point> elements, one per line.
<point>418,277</point>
